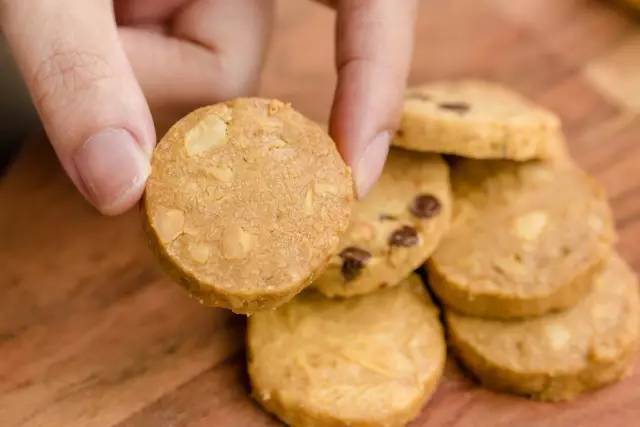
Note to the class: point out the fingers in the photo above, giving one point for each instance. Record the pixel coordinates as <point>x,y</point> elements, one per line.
<point>374,46</point>
<point>86,94</point>
<point>216,52</point>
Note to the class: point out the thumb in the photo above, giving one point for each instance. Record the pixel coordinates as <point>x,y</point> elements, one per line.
<point>87,96</point>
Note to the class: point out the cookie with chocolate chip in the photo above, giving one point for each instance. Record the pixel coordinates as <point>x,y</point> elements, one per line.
<point>372,360</point>
<point>560,355</point>
<point>246,202</point>
<point>476,119</point>
<point>394,228</point>
<point>524,238</point>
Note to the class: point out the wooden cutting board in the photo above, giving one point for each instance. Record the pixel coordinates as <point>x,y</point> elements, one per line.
<point>93,334</point>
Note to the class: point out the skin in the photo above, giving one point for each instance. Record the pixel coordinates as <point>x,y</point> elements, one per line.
<point>92,69</point>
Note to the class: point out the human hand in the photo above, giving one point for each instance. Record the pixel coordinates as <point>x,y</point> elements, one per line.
<point>374,46</point>
<point>89,64</point>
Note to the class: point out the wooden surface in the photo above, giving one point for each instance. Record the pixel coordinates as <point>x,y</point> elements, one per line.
<point>93,334</point>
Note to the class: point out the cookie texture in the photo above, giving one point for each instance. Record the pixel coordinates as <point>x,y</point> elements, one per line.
<point>246,202</point>
<point>560,355</point>
<point>476,119</point>
<point>372,360</point>
<point>524,238</point>
<point>394,228</point>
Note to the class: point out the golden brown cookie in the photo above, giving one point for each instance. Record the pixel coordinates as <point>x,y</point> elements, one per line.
<point>524,238</point>
<point>476,119</point>
<point>246,202</point>
<point>372,360</point>
<point>394,228</point>
<point>560,355</point>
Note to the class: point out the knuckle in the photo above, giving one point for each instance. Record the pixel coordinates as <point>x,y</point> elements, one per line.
<point>67,74</point>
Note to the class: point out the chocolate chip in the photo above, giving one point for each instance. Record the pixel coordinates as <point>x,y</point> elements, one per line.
<point>404,236</point>
<point>457,107</point>
<point>387,217</point>
<point>425,206</point>
<point>353,260</point>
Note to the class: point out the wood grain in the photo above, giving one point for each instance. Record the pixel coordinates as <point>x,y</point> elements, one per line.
<point>93,334</point>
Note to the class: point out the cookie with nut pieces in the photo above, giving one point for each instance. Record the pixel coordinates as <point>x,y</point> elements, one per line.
<point>394,228</point>
<point>246,202</point>
<point>371,360</point>
<point>476,119</point>
<point>559,355</point>
<point>524,238</point>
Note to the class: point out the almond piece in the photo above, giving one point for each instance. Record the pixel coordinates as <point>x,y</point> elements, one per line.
<point>209,133</point>
<point>169,224</point>
<point>529,226</point>
<point>236,242</point>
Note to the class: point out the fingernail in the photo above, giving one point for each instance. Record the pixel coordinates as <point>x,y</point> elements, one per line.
<point>369,166</point>
<point>113,169</point>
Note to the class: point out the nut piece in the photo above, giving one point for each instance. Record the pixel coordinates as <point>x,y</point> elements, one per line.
<point>362,231</point>
<point>308,202</point>
<point>529,226</point>
<point>206,135</point>
<point>323,189</point>
<point>169,224</point>
<point>235,242</point>
<point>595,222</point>
<point>222,173</point>
<point>199,252</point>
<point>558,336</point>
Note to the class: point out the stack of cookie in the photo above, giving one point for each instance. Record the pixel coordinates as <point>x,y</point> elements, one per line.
<point>536,301</point>
<point>249,202</point>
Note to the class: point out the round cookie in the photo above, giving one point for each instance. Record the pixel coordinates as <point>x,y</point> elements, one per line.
<point>246,202</point>
<point>560,355</point>
<point>524,238</point>
<point>476,119</point>
<point>372,360</point>
<point>394,228</point>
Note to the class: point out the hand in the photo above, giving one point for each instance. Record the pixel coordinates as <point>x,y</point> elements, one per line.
<point>374,45</point>
<point>88,65</point>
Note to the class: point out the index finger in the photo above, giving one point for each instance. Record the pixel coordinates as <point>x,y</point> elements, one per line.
<point>374,45</point>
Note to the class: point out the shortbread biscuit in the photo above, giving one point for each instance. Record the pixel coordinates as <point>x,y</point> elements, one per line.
<point>246,202</point>
<point>371,360</point>
<point>476,119</point>
<point>394,228</point>
<point>524,238</point>
<point>560,355</point>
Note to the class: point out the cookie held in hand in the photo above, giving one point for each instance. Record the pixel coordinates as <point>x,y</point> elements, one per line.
<point>246,203</point>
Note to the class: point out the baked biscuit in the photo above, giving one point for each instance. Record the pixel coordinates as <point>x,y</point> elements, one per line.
<point>246,203</point>
<point>371,360</point>
<point>560,355</point>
